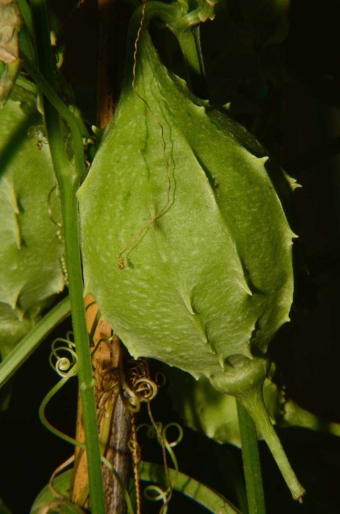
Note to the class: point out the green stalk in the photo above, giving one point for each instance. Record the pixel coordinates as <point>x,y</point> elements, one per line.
<point>244,379</point>
<point>86,381</point>
<point>252,400</point>
<point>68,177</point>
<point>251,461</point>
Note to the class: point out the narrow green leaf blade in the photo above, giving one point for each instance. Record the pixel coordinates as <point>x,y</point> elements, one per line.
<point>189,487</point>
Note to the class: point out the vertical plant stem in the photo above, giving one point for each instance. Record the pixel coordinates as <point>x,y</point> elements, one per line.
<point>68,176</point>
<point>251,462</point>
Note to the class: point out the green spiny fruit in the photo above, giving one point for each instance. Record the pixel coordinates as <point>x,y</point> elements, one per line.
<point>30,273</point>
<point>186,246</point>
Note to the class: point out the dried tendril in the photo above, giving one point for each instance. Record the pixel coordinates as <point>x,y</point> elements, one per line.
<point>154,492</point>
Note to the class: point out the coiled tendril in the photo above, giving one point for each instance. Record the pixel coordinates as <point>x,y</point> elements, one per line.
<point>63,359</point>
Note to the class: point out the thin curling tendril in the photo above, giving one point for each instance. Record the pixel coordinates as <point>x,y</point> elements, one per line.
<point>66,375</point>
<point>154,492</point>
<point>64,365</point>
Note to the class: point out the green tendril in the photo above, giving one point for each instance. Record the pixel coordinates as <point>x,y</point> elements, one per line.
<point>60,363</point>
<point>71,373</point>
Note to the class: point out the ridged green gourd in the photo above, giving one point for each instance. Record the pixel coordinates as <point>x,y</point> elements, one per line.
<point>30,272</point>
<point>187,249</point>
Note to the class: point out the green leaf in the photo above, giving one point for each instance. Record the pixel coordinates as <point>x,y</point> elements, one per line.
<point>30,252</point>
<point>48,503</point>
<point>187,486</point>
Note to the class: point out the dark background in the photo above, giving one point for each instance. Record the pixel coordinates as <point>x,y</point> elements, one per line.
<point>287,93</point>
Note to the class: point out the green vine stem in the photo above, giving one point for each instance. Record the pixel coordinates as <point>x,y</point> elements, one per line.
<point>251,462</point>
<point>68,177</point>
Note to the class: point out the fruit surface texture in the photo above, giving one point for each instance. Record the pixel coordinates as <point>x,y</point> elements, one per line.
<point>186,246</point>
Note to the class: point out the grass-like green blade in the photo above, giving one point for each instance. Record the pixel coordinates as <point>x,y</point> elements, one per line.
<point>32,340</point>
<point>188,486</point>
